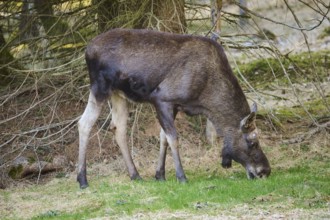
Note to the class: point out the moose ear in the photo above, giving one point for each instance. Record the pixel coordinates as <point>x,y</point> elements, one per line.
<point>248,123</point>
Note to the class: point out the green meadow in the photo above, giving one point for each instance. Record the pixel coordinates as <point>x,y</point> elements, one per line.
<point>302,190</point>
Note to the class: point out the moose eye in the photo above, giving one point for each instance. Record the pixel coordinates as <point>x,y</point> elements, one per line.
<point>255,158</point>
<point>252,144</point>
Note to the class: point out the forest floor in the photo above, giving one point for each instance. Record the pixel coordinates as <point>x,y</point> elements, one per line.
<point>298,150</point>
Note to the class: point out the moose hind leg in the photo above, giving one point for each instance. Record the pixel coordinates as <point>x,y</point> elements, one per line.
<point>160,171</point>
<point>119,123</point>
<point>85,125</point>
<point>211,134</point>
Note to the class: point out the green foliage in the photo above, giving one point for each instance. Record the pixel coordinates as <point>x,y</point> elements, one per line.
<point>302,67</point>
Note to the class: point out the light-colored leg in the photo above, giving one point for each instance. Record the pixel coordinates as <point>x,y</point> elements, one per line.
<point>160,171</point>
<point>211,134</point>
<point>119,123</point>
<point>85,125</point>
<point>173,143</point>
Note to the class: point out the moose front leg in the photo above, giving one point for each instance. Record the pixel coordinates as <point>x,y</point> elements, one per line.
<point>166,117</point>
<point>85,125</point>
<point>226,155</point>
<point>173,142</point>
<point>119,123</point>
<point>160,171</point>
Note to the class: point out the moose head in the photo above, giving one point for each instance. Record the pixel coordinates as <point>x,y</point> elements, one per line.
<point>242,146</point>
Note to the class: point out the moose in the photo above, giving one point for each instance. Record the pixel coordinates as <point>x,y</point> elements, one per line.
<point>173,72</point>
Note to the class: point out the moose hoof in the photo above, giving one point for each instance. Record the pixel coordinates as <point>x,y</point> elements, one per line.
<point>160,176</point>
<point>226,163</point>
<point>160,179</point>
<point>182,179</point>
<point>83,186</point>
<point>136,177</point>
<point>82,179</point>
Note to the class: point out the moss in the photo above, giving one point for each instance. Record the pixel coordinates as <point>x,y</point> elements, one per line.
<point>316,108</point>
<point>15,172</point>
<point>325,33</point>
<point>31,160</point>
<point>300,67</point>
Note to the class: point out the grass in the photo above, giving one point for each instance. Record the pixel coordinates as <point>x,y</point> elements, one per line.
<point>301,187</point>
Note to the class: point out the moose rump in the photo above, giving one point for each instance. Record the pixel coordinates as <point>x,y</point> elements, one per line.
<point>172,72</point>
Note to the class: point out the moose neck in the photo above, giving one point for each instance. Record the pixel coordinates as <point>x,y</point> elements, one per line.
<point>228,108</point>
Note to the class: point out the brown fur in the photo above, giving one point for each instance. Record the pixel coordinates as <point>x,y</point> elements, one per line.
<point>175,73</point>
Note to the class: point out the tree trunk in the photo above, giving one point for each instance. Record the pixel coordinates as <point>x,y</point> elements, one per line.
<point>53,25</point>
<point>242,20</point>
<point>170,16</point>
<point>164,15</point>
<point>106,11</point>
<point>28,26</point>
<point>5,59</point>
<point>216,6</point>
